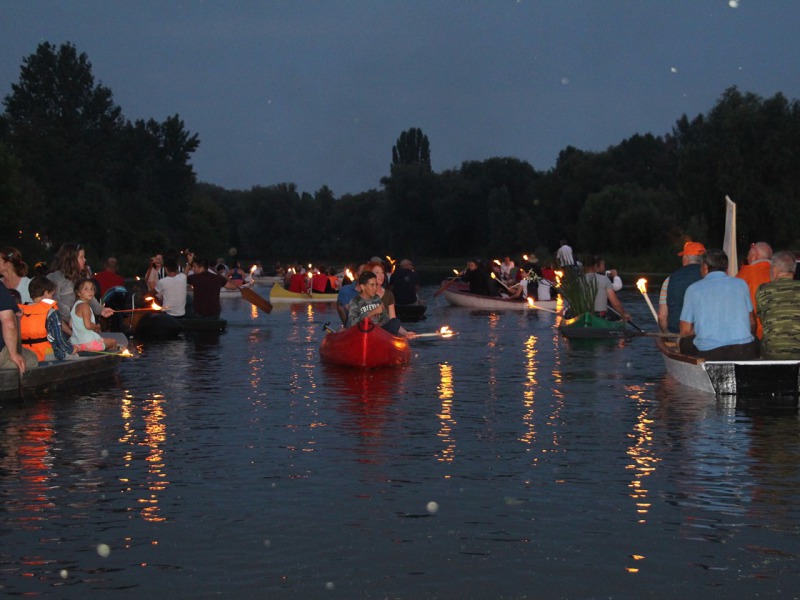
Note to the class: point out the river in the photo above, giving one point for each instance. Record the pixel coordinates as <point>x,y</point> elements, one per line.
<point>506,462</point>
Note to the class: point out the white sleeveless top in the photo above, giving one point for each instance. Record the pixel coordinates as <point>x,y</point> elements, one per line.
<point>81,335</point>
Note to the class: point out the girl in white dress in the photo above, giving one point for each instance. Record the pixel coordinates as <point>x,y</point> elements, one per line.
<point>85,331</point>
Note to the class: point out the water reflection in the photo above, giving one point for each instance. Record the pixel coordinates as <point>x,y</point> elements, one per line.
<point>151,438</point>
<point>446,420</point>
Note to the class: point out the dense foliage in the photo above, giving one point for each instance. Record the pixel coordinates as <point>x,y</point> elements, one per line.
<point>73,168</point>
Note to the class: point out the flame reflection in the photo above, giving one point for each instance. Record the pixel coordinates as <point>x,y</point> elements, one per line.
<point>446,420</point>
<point>152,440</point>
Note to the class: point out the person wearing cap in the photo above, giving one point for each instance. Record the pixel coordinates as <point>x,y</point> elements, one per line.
<point>756,272</point>
<point>717,321</point>
<point>670,300</point>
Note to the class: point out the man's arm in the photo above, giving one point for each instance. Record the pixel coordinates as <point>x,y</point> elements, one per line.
<point>617,305</point>
<point>686,328</point>
<point>8,321</point>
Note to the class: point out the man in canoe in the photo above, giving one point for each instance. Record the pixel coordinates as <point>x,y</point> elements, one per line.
<point>368,305</point>
<point>778,306</point>
<point>11,354</point>
<point>670,300</point>
<point>717,321</point>
<point>756,271</point>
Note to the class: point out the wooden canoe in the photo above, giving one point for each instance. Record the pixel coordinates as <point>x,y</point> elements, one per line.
<point>56,376</point>
<point>364,345</point>
<point>280,295</point>
<point>745,377</point>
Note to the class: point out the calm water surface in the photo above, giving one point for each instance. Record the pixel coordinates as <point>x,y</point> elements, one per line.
<point>503,463</point>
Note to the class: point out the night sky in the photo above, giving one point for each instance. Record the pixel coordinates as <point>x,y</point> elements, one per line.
<point>317,92</point>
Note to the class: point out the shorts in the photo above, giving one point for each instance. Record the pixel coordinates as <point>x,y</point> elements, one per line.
<point>93,346</point>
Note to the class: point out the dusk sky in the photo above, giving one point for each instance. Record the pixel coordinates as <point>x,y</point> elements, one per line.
<point>317,92</point>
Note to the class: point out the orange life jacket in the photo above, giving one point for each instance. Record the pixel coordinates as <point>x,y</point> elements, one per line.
<point>33,327</point>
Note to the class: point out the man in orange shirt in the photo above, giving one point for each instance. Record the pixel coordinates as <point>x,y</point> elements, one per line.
<point>756,272</point>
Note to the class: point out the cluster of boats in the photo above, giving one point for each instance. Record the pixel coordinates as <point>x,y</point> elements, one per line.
<point>368,346</point>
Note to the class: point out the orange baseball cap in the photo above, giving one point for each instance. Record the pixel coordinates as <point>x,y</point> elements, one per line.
<point>692,249</point>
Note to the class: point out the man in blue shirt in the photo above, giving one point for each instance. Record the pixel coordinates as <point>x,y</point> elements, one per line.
<point>717,320</point>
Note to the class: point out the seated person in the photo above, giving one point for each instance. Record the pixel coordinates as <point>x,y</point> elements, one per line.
<point>108,277</point>
<point>347,292</point>
<point>405,283</point>
<point>778,306</point>
<point>480,282</point>
<point>717,320</point>
<point>40,324</point>
<point>368,305</point>
<point>171,290</point>
<point>298,282</point>
<point>85,330</point>
<point>605,294</point>
<point>321,283</point>
<point>236,274</point>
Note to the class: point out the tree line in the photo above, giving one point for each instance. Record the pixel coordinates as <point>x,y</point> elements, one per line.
<point>73,168</point>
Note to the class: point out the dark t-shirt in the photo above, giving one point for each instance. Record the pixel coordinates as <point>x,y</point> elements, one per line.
<point>404,286</point>
<point>6,303</point>
<point>206,293</point>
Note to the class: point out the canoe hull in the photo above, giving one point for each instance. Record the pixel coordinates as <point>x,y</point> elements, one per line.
<point>747,377</point>
<point>589,326</point>
<point>56,376</point>
<point>280,295</point>
<point>364,346</point>
<point>475,301</point>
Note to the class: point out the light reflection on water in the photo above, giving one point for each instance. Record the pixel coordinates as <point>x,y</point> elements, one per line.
<point>237,465</point>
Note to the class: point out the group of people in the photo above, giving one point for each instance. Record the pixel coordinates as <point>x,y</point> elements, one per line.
<point>370,296</point>
<point>53,315</point>
<point>50,315</point>
<point>719,317</point>
<point>505,279</point>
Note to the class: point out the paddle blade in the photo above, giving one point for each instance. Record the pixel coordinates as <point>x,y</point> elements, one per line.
<point>255,299</point>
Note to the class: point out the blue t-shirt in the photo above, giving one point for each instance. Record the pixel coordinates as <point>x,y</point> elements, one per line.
<point>719,306</point>
<point>347,293</point>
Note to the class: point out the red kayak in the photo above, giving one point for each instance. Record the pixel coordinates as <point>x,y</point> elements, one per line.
<point>364,345</point>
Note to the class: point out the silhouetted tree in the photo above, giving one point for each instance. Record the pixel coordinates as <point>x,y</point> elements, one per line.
<point>412,148</point>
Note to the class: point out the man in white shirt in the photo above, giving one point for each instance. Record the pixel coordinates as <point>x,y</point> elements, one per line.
<point>171,290</point>
<point>564,255</point>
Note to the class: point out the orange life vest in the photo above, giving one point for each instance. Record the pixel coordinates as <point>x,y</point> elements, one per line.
<point>33,327</point>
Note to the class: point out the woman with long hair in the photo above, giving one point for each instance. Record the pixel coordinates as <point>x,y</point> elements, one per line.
<point>67,269</point>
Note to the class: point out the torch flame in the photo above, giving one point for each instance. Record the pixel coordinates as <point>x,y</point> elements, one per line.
<point>497,262</point>
<point>155,306</point>
<point>252,269</point>
<point>310,274</point>
<point>525,257</point>
<point>456,272</point>
<point>642,285</point>
<point>126,352</point>
<point>349,274</point>
<point>530,301</point>
<point>446,332</point>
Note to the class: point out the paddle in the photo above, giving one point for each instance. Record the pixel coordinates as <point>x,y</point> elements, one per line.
<point>255,299</point>
<point>629,321</point>
<point>447,285</point>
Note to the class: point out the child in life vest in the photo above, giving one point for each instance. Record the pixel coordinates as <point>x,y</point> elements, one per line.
<point>85,331</point>
<point>40,323</point>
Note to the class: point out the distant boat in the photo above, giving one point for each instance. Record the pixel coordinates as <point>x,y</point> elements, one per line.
<point>476,301</point>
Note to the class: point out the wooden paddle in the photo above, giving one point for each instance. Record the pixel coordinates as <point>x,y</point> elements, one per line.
<point>445,286</point>
<point>255,299</point>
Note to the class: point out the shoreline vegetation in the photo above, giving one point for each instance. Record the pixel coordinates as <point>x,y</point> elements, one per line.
<point>635,203</point>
